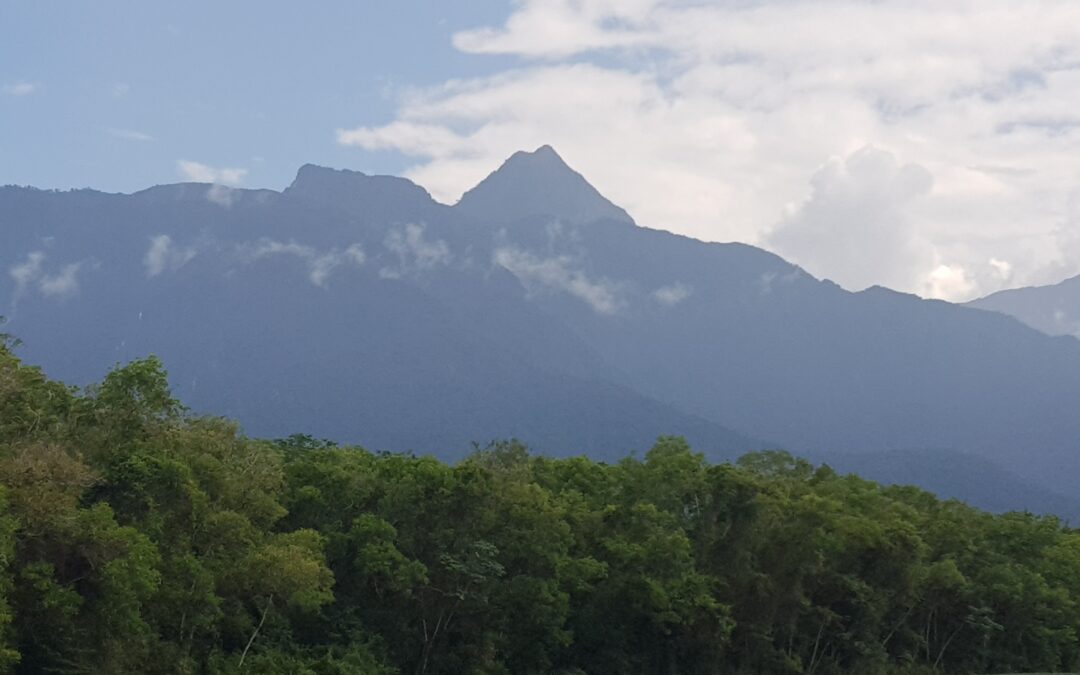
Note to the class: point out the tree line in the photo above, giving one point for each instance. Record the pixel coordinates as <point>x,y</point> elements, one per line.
<point>137,538</point>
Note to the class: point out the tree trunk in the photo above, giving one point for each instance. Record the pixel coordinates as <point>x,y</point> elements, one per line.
<point>266,610</point>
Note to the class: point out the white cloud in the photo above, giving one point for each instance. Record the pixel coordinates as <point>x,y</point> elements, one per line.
<point>65,284</point>
<point>163,256</point>
<point>558,273</point>
<point>559,28</point>
<point>672,295</point>
<point>121,89</point>
<point>130,135</point>
<point>854,226</point>
<point>708,118</point>
<point>26,272</point>
<point>222,195</point>
<point>1001,267</point>
<point>320,264</point>
<point>269,247</point>
<point>31,273</point>
<point>201,173</point>
<point>414,252</point>
<point>948,282</point>
<point>20,88</point>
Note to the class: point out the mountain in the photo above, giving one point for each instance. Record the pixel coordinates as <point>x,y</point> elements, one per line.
<point>961,476</point>
<point>344,306</point>
<point>1054,310</point>
<point>534,184</point>
<point>356,307</point>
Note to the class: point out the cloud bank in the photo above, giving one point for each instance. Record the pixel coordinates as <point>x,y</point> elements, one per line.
<point>724,120</point>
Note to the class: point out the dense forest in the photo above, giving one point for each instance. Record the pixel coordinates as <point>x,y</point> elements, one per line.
<point>136,538</point>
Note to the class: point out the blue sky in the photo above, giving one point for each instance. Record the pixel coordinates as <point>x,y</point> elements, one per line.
<point>124,90</point>
<point>932,146</point>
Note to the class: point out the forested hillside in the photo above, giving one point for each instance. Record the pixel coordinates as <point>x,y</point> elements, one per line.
<point>137,539</point>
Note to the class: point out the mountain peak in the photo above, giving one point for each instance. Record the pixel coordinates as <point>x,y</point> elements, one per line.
<point>309,173</point>
<point>389,196</point>
<point>313,180</point>
<point>537,183</point>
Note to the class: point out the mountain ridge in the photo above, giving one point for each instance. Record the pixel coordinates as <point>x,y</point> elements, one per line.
<point>377,315</point>
<point>1053,309</point>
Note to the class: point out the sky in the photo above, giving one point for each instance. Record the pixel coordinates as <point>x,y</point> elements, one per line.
<point>932,147</point>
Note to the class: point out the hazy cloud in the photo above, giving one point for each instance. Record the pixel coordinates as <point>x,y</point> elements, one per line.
<point>770,280</point>
<point>26,272</point>
<point>708,118</point>
<point>130,135</point>
<point>320,264</point>
<point>31,273</point>
<point>222,195</point>
<point>558,273</point>
<point>1002,268</point>
<point>414,252</point>
<point>164,256</point>
<point>323,265</point>
<point>671,295</point>
<point>201,173</point>
<point>20,88</point>
<point>63,284</point>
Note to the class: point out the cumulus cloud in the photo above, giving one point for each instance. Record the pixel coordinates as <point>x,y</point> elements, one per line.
<point>672,295</point>
<point>559,273</point>
<point>854,226</point>
<point>320,264</point>
<point>948,281</point>
<point>164,256</point>
<point>708,118</point>
<point>20,88</point>
<point>201,173</point>
<point>414,252</point>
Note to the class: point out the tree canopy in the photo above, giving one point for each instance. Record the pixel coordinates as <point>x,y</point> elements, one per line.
<point>137,538</point>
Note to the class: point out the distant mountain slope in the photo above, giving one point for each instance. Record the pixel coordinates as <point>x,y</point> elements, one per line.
<point>736,334</point>
<point>1054,310</point>
<point>387,337</point>
<point>357,307</point>
<point>957,476</point>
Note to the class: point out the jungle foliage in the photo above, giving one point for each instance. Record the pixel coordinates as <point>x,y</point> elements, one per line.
<point>136,538</point>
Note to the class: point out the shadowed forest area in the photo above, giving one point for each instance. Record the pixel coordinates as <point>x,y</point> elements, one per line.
<point>135,538</point>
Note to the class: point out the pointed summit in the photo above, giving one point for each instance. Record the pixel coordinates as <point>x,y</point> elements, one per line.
<point>537,183</point>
